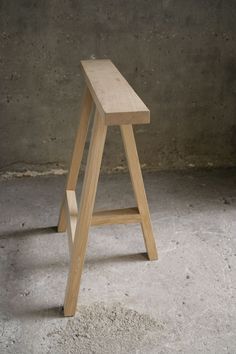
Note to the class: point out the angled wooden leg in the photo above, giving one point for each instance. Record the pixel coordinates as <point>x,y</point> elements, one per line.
<point>86,107</point>
<point>85,214</point>
<point>138,186</point>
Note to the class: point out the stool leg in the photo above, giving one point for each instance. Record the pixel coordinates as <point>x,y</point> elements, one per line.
<point>85,214</point>
<point>139,190</point>
<point>86,107</point>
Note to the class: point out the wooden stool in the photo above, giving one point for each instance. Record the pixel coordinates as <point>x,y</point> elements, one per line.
<point>116,103</point>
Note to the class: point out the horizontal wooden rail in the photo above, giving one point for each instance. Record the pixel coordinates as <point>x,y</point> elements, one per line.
<point>117,216</point>
<point>105,217</point>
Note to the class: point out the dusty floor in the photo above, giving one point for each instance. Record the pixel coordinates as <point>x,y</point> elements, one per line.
<point>182,303</point>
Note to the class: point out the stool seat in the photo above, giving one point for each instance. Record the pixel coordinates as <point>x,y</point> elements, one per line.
<point>115,99</point>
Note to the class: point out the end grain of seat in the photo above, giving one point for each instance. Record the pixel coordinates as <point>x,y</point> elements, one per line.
<point>115,99</point>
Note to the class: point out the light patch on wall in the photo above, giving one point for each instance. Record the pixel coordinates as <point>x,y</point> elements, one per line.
<point>28,173</point>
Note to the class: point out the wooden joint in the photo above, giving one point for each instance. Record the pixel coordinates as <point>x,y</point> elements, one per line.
<point>72,217</point>
<point>104,217</point>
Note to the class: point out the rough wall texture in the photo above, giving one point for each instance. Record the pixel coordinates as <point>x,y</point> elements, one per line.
<point>180,56</point>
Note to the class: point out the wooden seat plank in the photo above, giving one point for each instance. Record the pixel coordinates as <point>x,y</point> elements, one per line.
<point>115,99</point>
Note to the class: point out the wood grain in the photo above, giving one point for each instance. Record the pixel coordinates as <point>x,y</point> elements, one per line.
<point>115,99</point>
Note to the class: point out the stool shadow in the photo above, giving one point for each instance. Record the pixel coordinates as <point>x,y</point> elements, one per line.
<point>118,258</point>
<point>28,232</point>
<point>39,313</point>
<point>53,312</point>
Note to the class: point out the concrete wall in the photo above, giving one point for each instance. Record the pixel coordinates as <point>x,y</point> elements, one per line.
<point>180,56</point>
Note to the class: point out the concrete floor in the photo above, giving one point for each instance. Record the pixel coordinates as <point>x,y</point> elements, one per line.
<point>182,303</point>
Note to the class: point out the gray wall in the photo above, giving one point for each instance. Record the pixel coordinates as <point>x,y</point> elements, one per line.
<point>178,55</point>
